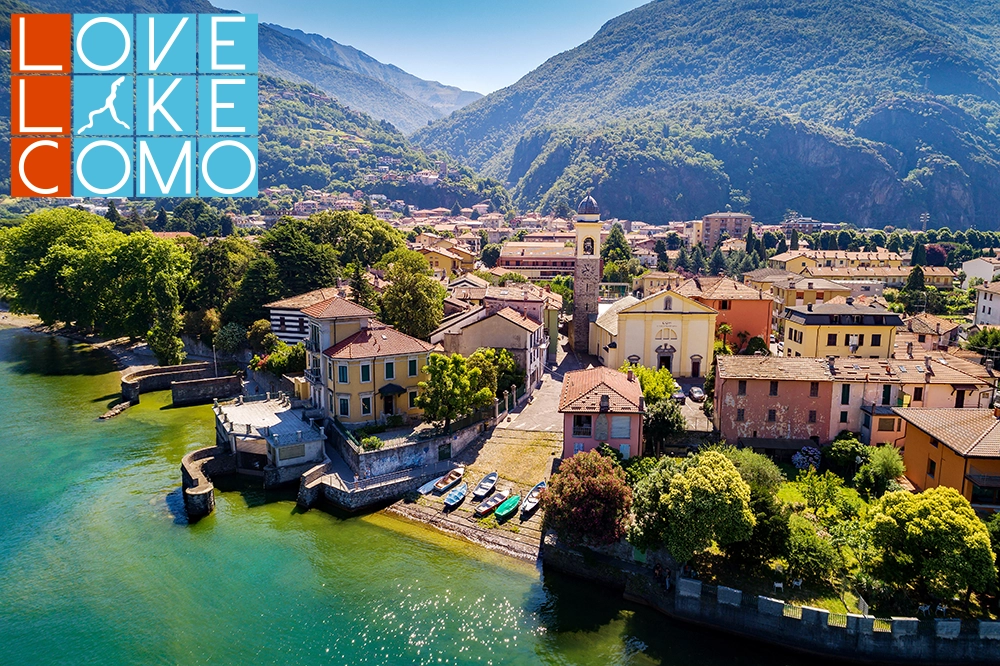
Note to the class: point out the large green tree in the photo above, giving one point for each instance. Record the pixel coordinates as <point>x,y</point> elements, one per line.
<point>662,422</point>
<point>414,301</point>
<point>449,391</point>
<point>302,264</point>
<point>361,239</point>
<point>615,247</point>
<point>588,500</point>
<point>217,269</point>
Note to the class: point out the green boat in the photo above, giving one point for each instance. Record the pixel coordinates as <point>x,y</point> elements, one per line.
<point>508,508</point>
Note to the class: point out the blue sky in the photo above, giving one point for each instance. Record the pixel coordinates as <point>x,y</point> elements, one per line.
<point>479,45</point>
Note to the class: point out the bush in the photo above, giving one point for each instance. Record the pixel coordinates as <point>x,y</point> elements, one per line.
<point>759,471</point>
<point>756,344</point>
<point>876,476</point>
<point>588,500</point>
<point>283,360</point>
<point>810,556</point>
<point>808,457</point>
<point>372,443</point>
<point>230,338</point>
<point>255,335</point>
<point>845,451</point>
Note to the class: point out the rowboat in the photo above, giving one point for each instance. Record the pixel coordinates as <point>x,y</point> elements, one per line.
<point>449,479</point>
<point>455,497</point>
<point>487,484</point>
<point>508,508</point>
<point>428,487</point>
<point>493,502</point>
<point>531,501</point>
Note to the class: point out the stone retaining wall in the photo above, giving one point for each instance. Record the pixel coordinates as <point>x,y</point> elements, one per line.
<point>159,379</point>
<point>813,630</point>
<point>197,469</point>
<point>201,391</point>
<point>357,500</point>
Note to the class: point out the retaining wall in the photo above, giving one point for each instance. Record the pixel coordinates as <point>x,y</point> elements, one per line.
<point>201,391</point>
<point>160,378</point>
<point>197,469</point>
<point>813,630</point>
<point>356,500</point>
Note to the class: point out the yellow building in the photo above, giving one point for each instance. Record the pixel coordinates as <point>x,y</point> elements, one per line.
<point>447,262</point>
<point>651,282</point>
<point>799,291</point>
<point>359,369</point>
<point>663,330</point>
<point>799,260</point>
<point>840,329</point>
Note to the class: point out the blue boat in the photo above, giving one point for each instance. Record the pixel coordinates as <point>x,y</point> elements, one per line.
<point>456,496</point>
<point>428,487</point>
<point>531,501</point>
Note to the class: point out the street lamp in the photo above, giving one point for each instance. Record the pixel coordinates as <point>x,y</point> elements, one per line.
<point>215,360</point>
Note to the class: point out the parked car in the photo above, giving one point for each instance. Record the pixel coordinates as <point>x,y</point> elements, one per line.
<point>773,338</point>
<point>696,394</point>
<point>679,397</point>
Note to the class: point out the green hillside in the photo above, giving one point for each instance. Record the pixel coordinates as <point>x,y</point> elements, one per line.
<point>890,108</point>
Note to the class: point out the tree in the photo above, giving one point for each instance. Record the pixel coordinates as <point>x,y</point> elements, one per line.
<point>769,537</point>
<point>876,476</point>
<point>161,221</point>
<point>256,335</point>
<point>915,281</point>
<point>616,247</point>
<point>258,287</point>
<point>164,340</point>
<point>723,331</point>
<point>230,338</point>
<point>810,556</point>
<point>782,246</point>
<point>793,243</point>
<point>936,255</point>
<point>662,421</point>
<point>113,216</point>
<point>449,393</point>
<point>820,490</point>
<point>717,263</point>
<point>588,500</point>
<point>414,301</point>
<point>217,268</point>
<point>687,504</point>
<point>919,256</point>
<point>844,239</point>
<point>754,345</point>
<point>931,539</point>
<point>847,453</point>
<point>484,359</point>
<point>456,209</point>
<point>302,265</point>
<point>361,239</point>
<point>656,385</point>
<point>491,255</point>
<point>362,292</point>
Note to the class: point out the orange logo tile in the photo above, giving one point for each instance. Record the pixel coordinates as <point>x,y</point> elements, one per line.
<point>40,105</point>
<point>41,43</point>
<point>41,167</point>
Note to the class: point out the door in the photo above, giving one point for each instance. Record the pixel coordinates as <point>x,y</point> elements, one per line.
<point>388,405</point>
<point>696,368</point>
<point>959,399</point>
<point>666,362</point>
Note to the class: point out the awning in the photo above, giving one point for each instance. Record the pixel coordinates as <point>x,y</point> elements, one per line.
<point>984,480</point>
<point>392,389</point>
<point>963,387</point>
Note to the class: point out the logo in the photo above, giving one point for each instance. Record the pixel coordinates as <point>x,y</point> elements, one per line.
<point>133,105</point>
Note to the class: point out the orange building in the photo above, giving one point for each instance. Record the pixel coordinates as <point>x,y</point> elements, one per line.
<point>958,448</point>
<point>745,309</point>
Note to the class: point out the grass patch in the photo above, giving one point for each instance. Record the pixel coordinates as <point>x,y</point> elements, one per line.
<point>488,522</point>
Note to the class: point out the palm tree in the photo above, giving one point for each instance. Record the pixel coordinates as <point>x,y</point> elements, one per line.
<point>723,331</point>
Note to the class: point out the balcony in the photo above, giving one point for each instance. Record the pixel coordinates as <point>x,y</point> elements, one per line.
<point>313,376</point>
<point>581,432</point>
<point>312,346</point>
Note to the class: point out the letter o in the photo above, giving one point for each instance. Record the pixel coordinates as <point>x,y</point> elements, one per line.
<point>79,44</point>
<point>226,190</point>
<point>103,190</point>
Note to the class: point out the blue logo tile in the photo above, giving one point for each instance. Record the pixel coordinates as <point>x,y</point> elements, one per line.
<point>165,167</point>
<point>103,167</point>
<point>165,105</point>
<point>165,44</point>
<point>227,43</point>
<point>102,43</point>
<point>227,105</point>
<point>102,105</point>
<point>227,167</point>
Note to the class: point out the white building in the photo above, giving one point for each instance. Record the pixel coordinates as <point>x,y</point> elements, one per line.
<point>988,304</point>
<point>985,268</point>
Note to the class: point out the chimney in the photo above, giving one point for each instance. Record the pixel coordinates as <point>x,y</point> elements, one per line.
<point>809,307</point>
<point>996,411</point>
<point>989,365</point>
<point>631,376</point>
<point>939,328</point>
<point>909,349</point>
<point>605,403</point>
<point>850,301</point>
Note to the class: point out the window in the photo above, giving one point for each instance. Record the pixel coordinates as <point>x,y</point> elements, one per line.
<point>292,451</point>
<point>366,373</point>
<point>366,405</point>
<point>413,399</point>
<point>741,388</point>
<point>886,394</point>
<point>411,367</point>
<point>345,406</point>
<point>774,388</point>
<point>886,425</point>
<point>813,389</point>
<point>723,305</point>
<point>740,415</point>
<point>918,394</point>
<point>581,425</point>
<point>390,370</point>
<point>831,340</point>
<point>877,340</point>
<point>934,442</point>
<point>772,415</point>
<point>342,374</point>
<point>845,394</point>
<point>578,447</point>
<point>931,468</point>
<point>921,338</point>
<point>621,427</point>
<point>812,416</point>
<point>866,420</point>
<point>668,303</point>
<point>843,417</point>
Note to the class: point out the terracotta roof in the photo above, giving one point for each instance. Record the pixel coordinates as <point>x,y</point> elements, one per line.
<point>907,370</point>
<point>304,300</point>
<point>660,275</point>
<point>376,341</point>
<point>515,292</point>
<point>515,317</point>
<point>170,235</point>
<point>928,324</point>
<point>536,249</point>
<point>582,391</point>
<point>876,271</point>
<point>797,282</point>
<point>719,288</point>
<point>470,293</point>
<point>799,369</point>
<point>769,275</point>
<point>968,432</point>
<point>881,255</point>
<point>608,320</point>
<point>990,287</point>
<point>336,307</point>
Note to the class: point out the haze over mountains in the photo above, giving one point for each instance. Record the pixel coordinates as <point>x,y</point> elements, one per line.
<point>870,112</point>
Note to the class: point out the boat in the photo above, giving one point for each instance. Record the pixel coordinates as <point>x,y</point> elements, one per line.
<point>508,508</point>
<point>428,487</point>
<point>455,497</point>
<point>493,502</point>
<point>487,484</point>
<point>534,495</point>
<point>449,479</point>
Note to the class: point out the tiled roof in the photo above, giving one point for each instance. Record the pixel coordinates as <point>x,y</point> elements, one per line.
<point>907,370</point>
<point>990,287</point>
<point>928,324</point>
<point>968,432</point>
<point>876,271</point>
<point>608,320</point>
<point>304,300</point>
<point>811,283</point>
<point>800,369</point>
<point>769,274</point>
<point>515,317</point>
<point>660,275</point>
<point>469,293</point>
<point>536,249</point>
<point>514,292</point>
<point>720,288</point>
<point>376,341</point>
<point>335,308</point>
<point>582,391</point>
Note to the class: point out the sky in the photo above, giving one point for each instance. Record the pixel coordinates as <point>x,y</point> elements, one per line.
<point>480,45</point>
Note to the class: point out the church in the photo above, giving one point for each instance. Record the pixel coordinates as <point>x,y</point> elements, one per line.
<point>662,330</point>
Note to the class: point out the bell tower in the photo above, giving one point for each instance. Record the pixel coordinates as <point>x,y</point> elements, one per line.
<point>587,274</point>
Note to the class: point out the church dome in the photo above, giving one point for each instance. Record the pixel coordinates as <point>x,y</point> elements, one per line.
<point>588,207</point>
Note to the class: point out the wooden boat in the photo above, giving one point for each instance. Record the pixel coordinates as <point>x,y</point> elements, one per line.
<point>487,484</point>
<point>534,495</point>
<point>455,497</point>
<point>428,487</point>
<point>508,508</point>
<point>449,479</point>
<point>493,502</point>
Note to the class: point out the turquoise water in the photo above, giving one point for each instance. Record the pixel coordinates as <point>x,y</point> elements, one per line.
<point>98,565</point>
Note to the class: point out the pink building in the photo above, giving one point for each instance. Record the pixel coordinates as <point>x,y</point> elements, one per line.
<point>599,406</point>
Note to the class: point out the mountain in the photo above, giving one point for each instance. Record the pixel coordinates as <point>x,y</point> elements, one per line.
<point>870,112</point>
<point>442,98</point>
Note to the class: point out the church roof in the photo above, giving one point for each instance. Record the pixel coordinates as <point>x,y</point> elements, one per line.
<point>588,206</point>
